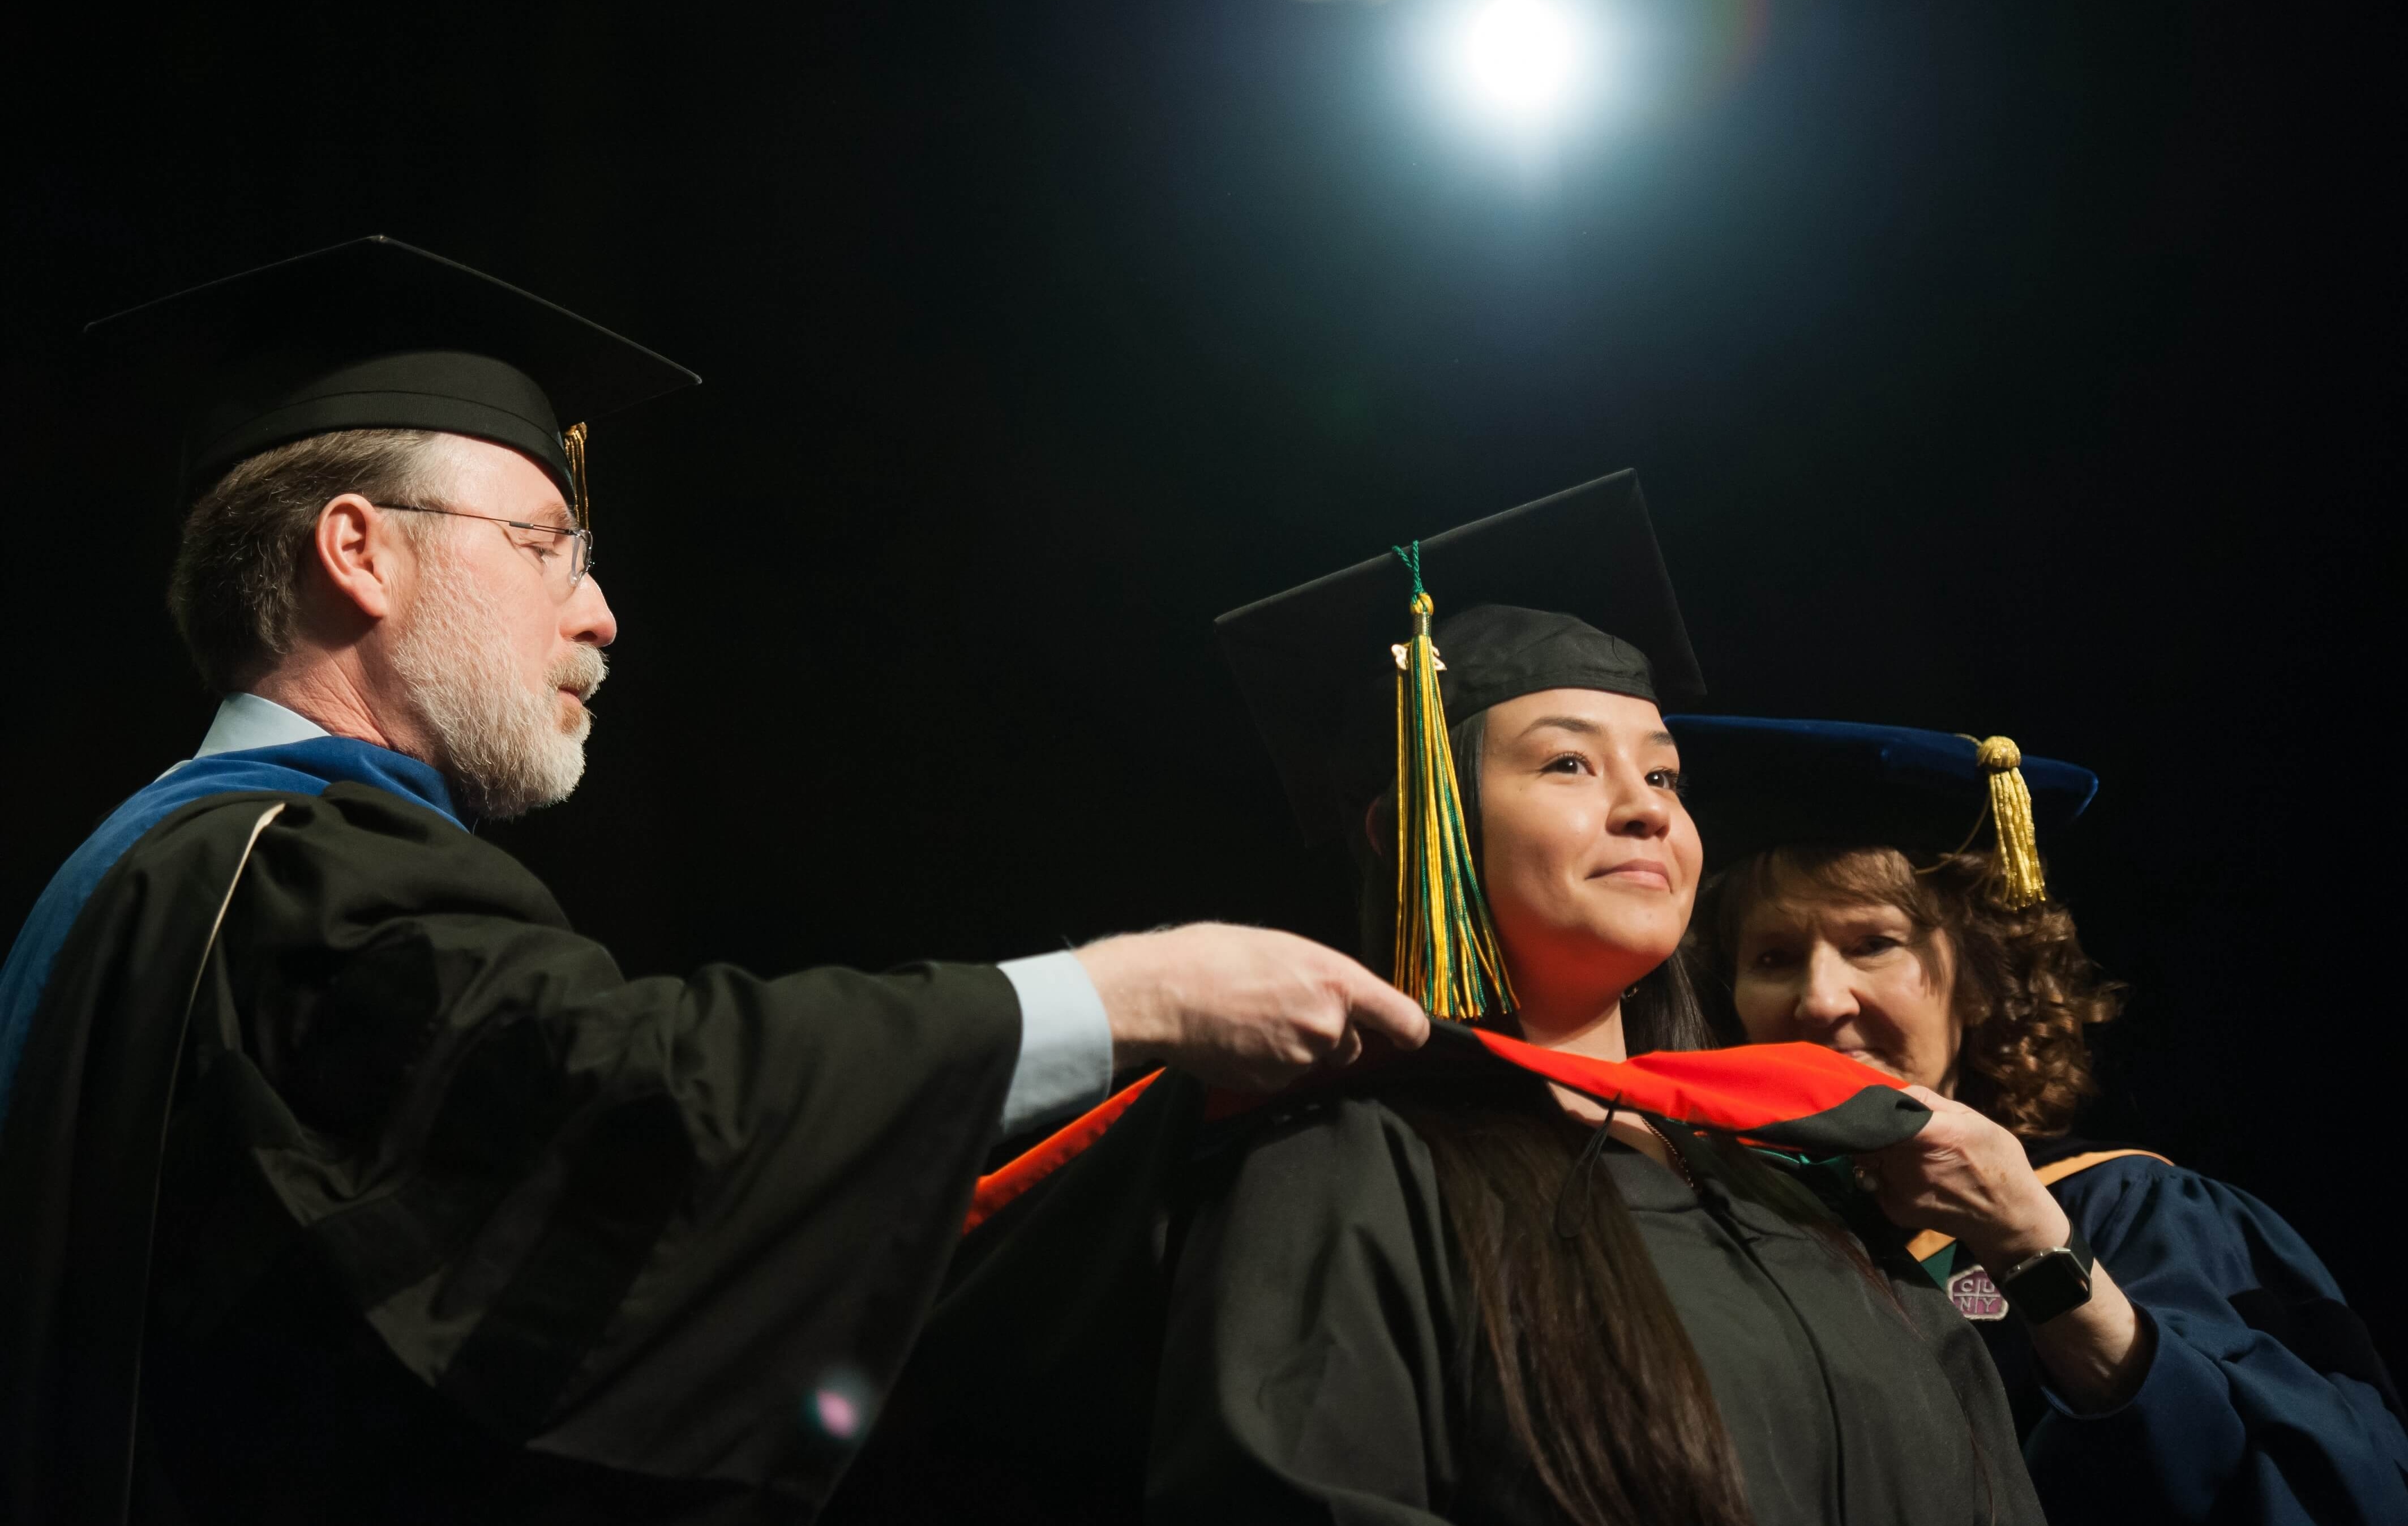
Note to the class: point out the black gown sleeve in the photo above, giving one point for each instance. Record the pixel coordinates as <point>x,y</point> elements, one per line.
<point>1305,1364</point>
<point>684,1228</point>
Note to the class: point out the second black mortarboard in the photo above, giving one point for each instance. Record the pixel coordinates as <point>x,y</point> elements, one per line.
<point>1555,576</point>
<point>378,335</point>
<point>1532,590</point>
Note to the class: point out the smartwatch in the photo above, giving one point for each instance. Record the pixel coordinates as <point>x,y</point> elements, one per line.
<point>2039,1287</point>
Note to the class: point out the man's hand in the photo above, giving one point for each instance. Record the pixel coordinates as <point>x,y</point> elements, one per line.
<point>1965,1175</point>
<point>1242,1007</point>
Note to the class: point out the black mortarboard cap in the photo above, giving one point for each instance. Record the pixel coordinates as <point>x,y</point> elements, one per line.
<point>1755,785</point>
<point>1524,600</point>
<point>377,335</point>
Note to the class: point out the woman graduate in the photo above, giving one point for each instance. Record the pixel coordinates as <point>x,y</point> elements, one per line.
<point>2174,1350</point>
<point>1477,1297</point>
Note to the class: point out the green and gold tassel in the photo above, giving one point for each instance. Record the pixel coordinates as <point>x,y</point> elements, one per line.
<point>1447,958</point>
<point>2017,869</point>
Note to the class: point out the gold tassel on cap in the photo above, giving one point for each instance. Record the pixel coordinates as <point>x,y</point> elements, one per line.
<point>2020,884</point>
<point>572,442</point>
<point>1446,947</point>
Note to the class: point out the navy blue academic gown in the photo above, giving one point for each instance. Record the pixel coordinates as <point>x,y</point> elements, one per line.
<point>2264,1401</point>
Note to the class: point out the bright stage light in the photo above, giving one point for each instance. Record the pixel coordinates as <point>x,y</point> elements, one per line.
<point>1520,58</point>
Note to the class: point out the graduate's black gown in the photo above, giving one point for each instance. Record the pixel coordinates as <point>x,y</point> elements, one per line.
<point>1263,1320</point>
<point>455,1221</point>
<point>1316,1367</point>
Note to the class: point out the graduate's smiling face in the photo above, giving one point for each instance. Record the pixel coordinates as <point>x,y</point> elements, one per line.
<point>1852,974</point>
<point>1588,857</point>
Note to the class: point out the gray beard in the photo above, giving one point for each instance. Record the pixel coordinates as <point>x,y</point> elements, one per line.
<point>503,748</point>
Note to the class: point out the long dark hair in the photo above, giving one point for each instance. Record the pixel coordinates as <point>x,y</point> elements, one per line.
<point>1600,1382</point>
<point>1602,1386</point>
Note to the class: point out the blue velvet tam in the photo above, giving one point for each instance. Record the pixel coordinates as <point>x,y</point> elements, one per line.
<point>1756,783</point>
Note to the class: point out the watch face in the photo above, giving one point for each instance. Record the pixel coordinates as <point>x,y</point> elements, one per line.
<point>1975,1295</point>
<point>2049,1285</point>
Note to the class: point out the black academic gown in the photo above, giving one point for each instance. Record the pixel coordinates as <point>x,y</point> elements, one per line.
<point>1261,1319</point>
<point>455,1221</point>
<point>1322,1371</point>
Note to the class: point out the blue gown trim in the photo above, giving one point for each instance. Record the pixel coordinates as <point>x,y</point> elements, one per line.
<point>300,768</point>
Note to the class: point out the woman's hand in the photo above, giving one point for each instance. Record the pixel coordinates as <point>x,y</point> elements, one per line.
<point>1967,1176</point>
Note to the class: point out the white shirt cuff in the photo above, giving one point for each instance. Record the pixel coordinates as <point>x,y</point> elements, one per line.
<point>1066,1041</point>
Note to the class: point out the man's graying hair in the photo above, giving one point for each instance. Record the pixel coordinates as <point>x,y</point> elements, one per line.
<point>236,593</point>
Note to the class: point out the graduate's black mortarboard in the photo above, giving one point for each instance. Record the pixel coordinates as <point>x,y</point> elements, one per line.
<point>1556,576</point>
<point>1755,785</point>
<point>377,335</point>
<point>1353,678</point>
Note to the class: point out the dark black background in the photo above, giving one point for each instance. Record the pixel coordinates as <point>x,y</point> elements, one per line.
<point>2008,368</point>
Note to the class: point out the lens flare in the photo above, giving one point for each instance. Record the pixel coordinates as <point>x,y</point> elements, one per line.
<point>840,1406</point>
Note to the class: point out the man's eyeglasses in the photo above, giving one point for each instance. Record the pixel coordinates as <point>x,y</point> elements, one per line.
<point>563,567</point>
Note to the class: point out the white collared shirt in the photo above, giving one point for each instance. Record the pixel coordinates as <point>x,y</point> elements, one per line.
<point>245,721</point>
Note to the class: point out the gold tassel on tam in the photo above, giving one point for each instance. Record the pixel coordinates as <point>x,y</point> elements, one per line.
<point>2011,811</point>
<point>572,440</point>
<point>1447,958</point>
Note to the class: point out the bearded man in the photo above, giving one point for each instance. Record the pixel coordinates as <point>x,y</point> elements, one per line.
<point>341,1180</point>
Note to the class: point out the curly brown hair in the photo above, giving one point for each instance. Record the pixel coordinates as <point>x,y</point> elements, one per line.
<point>2024,993</point>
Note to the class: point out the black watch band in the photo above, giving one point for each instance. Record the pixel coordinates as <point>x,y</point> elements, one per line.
<point>2039,1287</point>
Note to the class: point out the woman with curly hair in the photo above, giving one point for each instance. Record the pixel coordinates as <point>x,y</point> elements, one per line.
<point>2172,1348</point>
